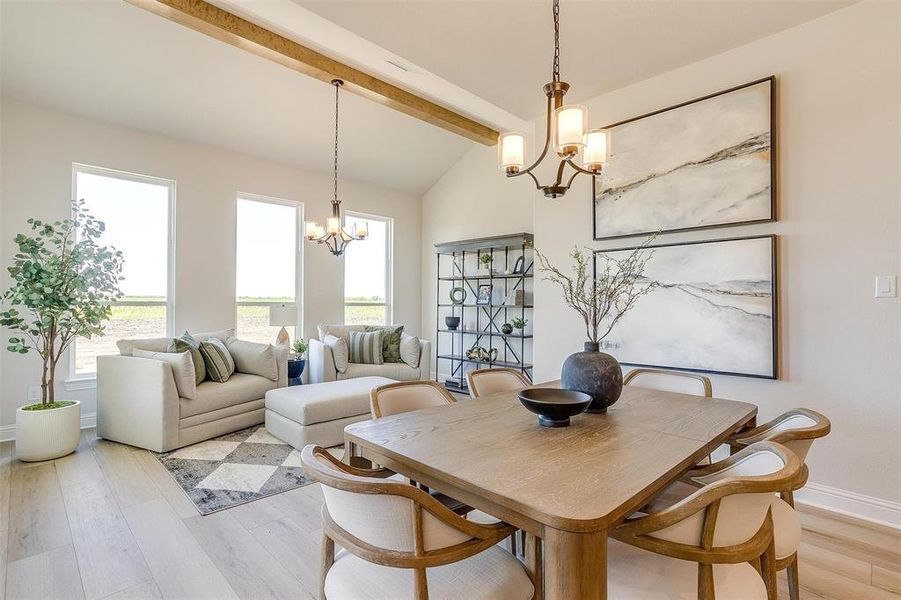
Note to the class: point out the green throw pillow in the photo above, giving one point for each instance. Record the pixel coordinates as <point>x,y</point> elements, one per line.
<point>218,361</point>
<point>366,348</point>
<point>187,343</point>
<point>390,342</point>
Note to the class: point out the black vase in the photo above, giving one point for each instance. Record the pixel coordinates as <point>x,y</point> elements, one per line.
<point>507,328</point>
<point>595,373</point>
<point>452,322</point>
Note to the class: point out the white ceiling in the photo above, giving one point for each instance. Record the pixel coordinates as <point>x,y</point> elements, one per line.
<point>114,62</point>
<point>501,50</point>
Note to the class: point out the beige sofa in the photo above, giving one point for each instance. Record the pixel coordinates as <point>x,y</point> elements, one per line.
<point>138,403</point>
<point>321,361</point>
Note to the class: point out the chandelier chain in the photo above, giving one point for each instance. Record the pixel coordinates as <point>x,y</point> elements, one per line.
<point>337,84</point>
<point>556,70</point>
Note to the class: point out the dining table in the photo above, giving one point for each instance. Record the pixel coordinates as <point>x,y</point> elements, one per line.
<point>567,486</point>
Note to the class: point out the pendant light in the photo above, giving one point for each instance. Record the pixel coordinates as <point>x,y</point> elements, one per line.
<point>334,235</point>
<point>566,127</point>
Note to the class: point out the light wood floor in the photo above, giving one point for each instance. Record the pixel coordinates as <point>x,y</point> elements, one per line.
<point>109,522</point>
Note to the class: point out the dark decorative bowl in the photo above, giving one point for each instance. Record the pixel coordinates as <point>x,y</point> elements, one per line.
<point>553,406</point>
<point>452,322</point>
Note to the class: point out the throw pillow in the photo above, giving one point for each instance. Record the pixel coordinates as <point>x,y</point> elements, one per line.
<point>218,362</point>
<point>253,358</point>
<point>182,369</point>
<point>128,346</point>
<point>186,343</point>
<point>221,334</point>
<point>366,347</point>
<point>409,350</point>
<point>391,341</point>
<point>339,351</point>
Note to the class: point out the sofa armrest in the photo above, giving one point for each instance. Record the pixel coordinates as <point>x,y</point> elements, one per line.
<point>137,402</point>
<point>425,359</point>
<point>281,359</point>
<point>321,362</point>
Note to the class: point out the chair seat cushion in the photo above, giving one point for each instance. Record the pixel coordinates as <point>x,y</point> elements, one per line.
<point>239,388</point>
<point>493,574</point>
<point>786,523</point>
<point>636,573</point>
<point>396,371</point>
<point>321,402</point>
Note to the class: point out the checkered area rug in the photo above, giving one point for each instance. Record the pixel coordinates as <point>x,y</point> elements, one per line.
<point>235,468</point>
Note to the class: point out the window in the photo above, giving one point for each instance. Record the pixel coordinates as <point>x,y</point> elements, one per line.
<point>367,273</point>
<point>137,211</point>
<point>267,264</point>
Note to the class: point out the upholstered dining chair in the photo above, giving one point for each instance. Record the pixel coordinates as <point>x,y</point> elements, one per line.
<point>670,381</point>
<point>399,542</point>
<point>796,430</point>
<point>725,528</point>
<point>491,381</point>
<point>404,396</point>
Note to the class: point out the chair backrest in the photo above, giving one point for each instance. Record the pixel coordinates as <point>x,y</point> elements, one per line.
<point>795,429</point>
<point>670,381</point>
<point>491,381</point>
<point>404,396</point>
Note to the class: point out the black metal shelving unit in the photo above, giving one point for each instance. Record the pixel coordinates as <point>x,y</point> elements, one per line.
<point>458,265</point>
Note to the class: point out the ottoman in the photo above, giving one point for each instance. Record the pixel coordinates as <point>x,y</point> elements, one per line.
<point>319,412</point>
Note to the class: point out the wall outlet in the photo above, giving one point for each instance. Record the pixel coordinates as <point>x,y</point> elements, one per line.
<point>886,286</point>
<point>34,393</point>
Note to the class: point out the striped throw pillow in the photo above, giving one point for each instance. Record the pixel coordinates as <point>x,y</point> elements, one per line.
<point>187,343</point>
<point>366,347</point>
<point>218,362</point>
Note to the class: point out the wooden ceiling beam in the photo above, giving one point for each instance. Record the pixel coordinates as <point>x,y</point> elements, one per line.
<point>230,28</point>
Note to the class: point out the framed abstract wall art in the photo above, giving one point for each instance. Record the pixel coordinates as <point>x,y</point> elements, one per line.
<point>704,163</point>
<point>714,309</point>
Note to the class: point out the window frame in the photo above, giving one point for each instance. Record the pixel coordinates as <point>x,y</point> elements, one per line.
<point>75,380</point>
<point>298,207</point>
<point>389,265</point>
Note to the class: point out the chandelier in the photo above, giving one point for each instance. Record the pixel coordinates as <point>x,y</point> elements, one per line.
<point>334,235</point>
<point>566,124</point>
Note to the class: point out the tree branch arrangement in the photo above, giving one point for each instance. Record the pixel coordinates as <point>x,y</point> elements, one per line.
<point>602,294</point>
<point>63,286</point>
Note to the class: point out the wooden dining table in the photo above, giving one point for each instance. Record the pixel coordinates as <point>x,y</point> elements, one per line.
<point>567,486</point>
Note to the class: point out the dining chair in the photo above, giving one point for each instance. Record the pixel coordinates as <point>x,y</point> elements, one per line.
<point>404,396</point>
<point>399,542</point>
<point>491,381</point>
<point>725,528</point>
<point>670,381</point>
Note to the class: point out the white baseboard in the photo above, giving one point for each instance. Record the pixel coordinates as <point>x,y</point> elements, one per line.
<point>8,432</point>
<point>851,504</point>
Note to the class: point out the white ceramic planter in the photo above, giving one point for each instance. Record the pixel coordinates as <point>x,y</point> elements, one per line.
<point>47,434</point>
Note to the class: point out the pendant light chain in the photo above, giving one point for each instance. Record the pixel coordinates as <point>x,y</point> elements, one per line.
<point>556,70</point>
<point>337,84</point>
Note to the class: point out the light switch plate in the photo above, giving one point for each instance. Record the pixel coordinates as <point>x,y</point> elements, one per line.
<point>886,286</point>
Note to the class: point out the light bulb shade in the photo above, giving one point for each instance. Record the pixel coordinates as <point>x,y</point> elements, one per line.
<point>596,150</point>
<point>570,122</point>
<point>282,315</point>
<point>511,150</point>
<point>361,229</point>
<point>320,231</point>
<point>311,230</point>
<point>333,224</point>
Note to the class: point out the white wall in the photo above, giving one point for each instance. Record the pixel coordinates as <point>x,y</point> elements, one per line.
<point>838,129</point>
<point>38,148</point>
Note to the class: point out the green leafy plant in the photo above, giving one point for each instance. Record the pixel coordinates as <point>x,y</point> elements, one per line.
<point>485,259</point>
<point>63,286</point>
<point>299,346</point>
<point>603,299</point>
<point>519,323</point>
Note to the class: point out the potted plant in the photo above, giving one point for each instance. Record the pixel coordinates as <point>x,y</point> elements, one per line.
<point>485,260</point>
<point>298,362</point>
<point>519,323</point>
<point>63,285</point>
<point>601,301</point>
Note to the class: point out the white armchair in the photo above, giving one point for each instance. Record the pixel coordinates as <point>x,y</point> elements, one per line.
<point>322,367</point>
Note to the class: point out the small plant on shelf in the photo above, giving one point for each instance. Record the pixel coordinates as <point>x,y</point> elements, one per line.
<point>485,260</point>
<point>519,323</point>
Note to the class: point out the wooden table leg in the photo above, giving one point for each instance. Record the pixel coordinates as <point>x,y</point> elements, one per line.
<point>575,565</point>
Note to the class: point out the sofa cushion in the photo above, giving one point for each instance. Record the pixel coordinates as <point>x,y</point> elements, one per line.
<point>182,369</point>
<point>253,358</point>
<point>219,363</point>
<point>366,347</point>
<point>221,335</point>
<point>186,343</point>
<point>339,331</point>
<point>340,352</point>
<point>240,388</point>
<point>391,341</point>
<point>128,346</point>
<point>396,371</point>
<point>321,402</point>
<point>410,350</point>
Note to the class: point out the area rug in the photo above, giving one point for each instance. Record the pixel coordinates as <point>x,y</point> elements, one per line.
<point>235,468</point>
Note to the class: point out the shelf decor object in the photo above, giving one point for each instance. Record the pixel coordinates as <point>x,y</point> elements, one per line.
<point>566,123</point>
<point>703,163</point>
<point>334,235</point>
<point>472,335</point>
<point>714,310</point>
